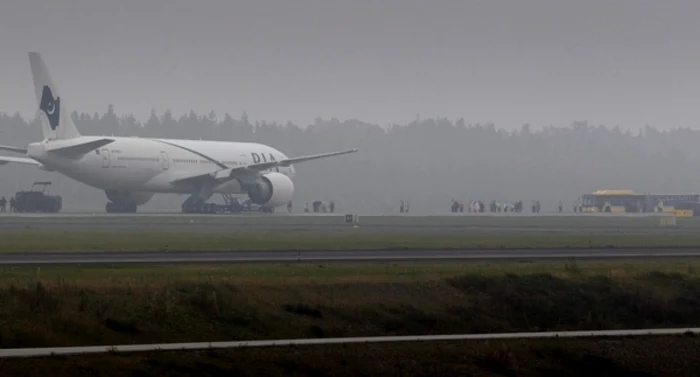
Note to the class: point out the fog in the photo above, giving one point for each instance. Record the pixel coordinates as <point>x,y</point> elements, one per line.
<point>427,162</point>
<point>474,100</point>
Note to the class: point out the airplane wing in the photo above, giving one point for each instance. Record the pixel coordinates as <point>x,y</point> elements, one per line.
<point>223,175</point>
<point>13,149</point>
<point>21,160</point>
<point>273,164</point>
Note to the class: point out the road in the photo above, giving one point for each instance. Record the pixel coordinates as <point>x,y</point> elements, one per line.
<point>325,222</point>
<point>91,258</point>
<point>49,351</point>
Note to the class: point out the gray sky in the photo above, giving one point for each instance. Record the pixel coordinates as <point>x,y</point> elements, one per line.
<point>613,62</point>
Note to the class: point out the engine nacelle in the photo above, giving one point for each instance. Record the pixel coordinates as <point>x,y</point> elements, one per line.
<point>128,197</point>
<point>271,190</point>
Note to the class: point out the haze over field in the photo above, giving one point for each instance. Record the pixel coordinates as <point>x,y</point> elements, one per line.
<point>545,62</point>
<point>432,69</point>
<point>427,162</point>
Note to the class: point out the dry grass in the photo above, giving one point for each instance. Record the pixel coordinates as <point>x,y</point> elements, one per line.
<point>80,306</point>
<point>172,304</point>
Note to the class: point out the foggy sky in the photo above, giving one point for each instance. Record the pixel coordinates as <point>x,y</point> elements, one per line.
<point>626,63</point>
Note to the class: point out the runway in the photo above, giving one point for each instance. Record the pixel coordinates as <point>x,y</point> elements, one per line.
<point>322,222</point>
<point>85,213</point>
<point>151,258</point>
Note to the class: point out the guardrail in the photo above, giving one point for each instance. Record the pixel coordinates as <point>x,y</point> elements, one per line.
<point>50,351</point>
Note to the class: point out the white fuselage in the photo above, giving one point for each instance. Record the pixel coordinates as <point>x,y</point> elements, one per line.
<point>150,165</point>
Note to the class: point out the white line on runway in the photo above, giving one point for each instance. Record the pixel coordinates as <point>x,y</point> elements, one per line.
<point>49,351</point>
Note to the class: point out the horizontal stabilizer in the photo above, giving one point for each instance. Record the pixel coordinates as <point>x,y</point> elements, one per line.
<point>13,149</point>
<point>20,160</point>
<point>75,148</point>
<point>223,175</point>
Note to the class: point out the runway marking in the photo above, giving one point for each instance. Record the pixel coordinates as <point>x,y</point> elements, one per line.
<point>50,351</point>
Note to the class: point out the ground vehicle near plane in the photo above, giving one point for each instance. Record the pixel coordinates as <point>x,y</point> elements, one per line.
<point>131,170</point>
<point>37,201</point>
<point>632,202</point>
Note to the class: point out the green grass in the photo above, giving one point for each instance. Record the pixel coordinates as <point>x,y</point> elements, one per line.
<point>289,273</point>
<point>29,240</point>
<point>81,306</point>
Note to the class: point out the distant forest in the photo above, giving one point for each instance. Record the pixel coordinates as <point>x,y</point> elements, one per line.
<point>427,162</point>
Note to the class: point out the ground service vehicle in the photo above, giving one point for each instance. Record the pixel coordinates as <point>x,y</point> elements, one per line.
<point>38,201</point>
<point>631,202</point>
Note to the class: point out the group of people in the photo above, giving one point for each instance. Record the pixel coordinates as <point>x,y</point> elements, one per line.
<point>497,206</point>
<point>4,202</point>
<point>457,206</point>
<point>319,206</point>
<point>477,206</point>
<point>404,206</point>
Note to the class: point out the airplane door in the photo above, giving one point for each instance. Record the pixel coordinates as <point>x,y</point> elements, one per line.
<point>166,162</point>
<point>105,158</point>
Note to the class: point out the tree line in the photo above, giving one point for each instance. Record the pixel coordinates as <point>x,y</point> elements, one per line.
<point>428,162</point>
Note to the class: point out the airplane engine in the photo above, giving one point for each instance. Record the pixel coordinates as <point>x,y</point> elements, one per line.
<point>271,190</point>
<point>124,197</point>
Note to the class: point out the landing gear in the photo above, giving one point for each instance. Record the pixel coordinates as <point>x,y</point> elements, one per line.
<point>121,201</point>
<point>197,203</point>
<point>199,208</point>
<point>193,205</point>
<point>111,207</point>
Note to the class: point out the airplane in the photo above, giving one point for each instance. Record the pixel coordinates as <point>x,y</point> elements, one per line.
<point>131,170</point>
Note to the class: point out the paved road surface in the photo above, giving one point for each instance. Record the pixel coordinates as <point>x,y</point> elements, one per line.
<point>323,222</point>
<point>34,352</point>
<point>83,258</point>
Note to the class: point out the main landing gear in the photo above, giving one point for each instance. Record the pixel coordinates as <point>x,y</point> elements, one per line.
<point>197,204</point>
<point>200,208</point>
<point>120,207</point>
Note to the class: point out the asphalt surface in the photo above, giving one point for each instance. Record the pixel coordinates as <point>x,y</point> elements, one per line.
<point>321,222</point>
<point>150,258</point>
<point>319,214</point>
<point>65,351</point>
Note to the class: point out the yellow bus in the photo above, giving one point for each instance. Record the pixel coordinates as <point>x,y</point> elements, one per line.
<point>628,201</point>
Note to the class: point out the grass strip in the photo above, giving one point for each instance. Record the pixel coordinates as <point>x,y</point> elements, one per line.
<point>30,240</point>
<point>92,306</point>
